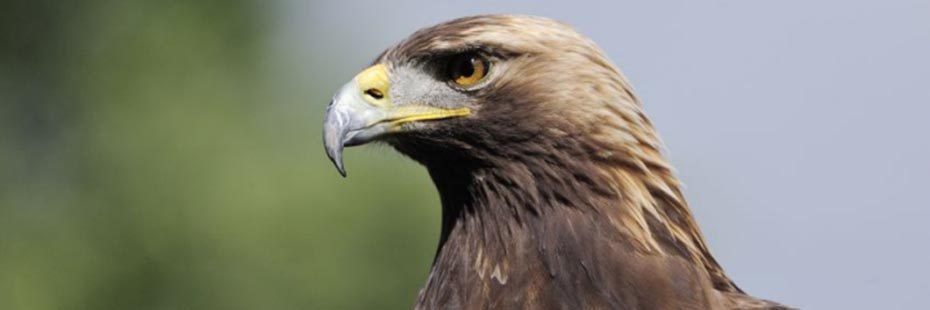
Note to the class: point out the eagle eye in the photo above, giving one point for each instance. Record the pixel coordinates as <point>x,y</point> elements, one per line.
<point>467,69</point>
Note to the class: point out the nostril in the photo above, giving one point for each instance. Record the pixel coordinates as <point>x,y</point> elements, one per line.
<point>374,93</point>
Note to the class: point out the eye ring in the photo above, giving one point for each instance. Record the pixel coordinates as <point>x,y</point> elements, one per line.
<point>467,69</point>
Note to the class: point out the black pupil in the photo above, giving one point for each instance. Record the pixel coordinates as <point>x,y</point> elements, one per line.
<point>465,67</point>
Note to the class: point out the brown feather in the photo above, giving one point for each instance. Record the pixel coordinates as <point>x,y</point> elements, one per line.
<point>556,194</point>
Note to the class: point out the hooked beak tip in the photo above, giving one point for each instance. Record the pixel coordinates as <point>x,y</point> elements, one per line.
<point>334,131</point>
<point>335,156</point>
<point>340,167</point>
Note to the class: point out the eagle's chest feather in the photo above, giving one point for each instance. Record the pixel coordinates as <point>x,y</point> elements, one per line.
<point>562,259</point>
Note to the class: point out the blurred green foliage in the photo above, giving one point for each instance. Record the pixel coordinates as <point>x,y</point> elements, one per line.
<point>151,158</point>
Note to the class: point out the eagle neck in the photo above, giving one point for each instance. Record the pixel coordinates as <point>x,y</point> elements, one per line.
<point>508,211</point>
<point>490,205</point>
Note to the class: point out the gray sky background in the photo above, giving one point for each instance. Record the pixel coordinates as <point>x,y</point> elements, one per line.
<point>799,127</point>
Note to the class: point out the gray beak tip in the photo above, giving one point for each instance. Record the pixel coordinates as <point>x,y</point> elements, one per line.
<point>340,167</point>
<point>336,125</point>
<point>335,155</point>
<point>332,140</point>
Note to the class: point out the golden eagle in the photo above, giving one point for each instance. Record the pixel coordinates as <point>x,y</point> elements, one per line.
<point>555,194</point>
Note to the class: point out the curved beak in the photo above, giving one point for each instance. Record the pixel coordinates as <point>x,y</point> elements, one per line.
<point>362,111</point>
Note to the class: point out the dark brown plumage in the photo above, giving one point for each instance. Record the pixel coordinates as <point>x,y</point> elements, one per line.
<point>555,194</point>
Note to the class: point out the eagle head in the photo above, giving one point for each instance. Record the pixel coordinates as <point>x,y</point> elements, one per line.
<point>554,190</point>
<point>485,91</point>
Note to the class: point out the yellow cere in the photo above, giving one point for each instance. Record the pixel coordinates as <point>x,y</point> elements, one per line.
<point>375,78</point>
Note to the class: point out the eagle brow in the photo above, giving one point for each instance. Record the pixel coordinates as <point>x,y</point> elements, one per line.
<point>490,50</point>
